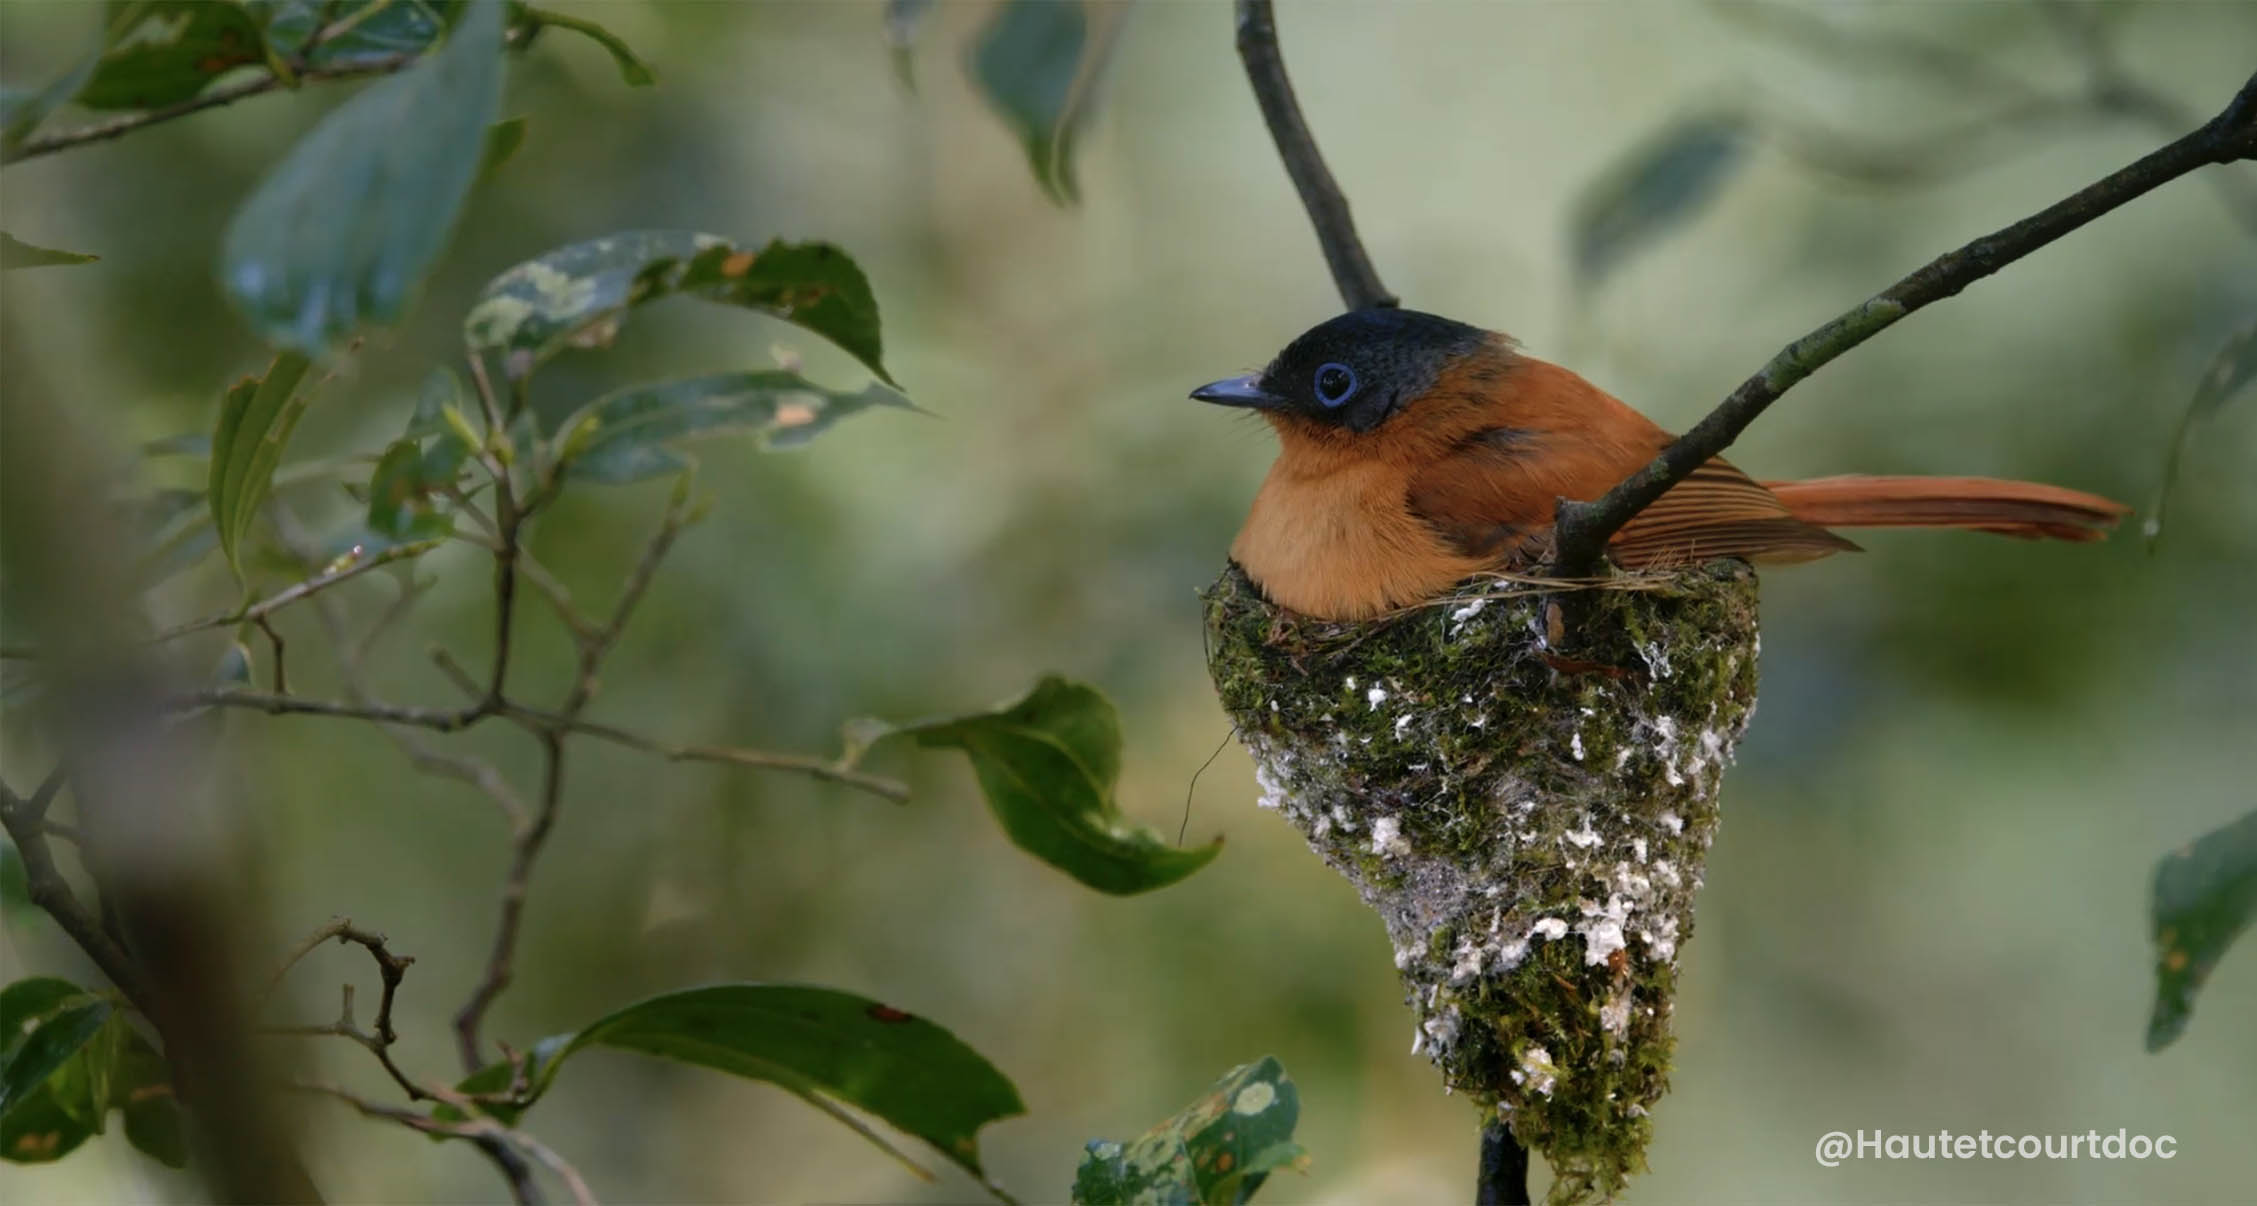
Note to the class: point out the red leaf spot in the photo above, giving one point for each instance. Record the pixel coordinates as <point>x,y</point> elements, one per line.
<point>889,1015</point>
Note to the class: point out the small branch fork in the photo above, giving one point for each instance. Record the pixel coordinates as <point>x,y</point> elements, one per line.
<point>500,1144</point>
<point>1583,528</point>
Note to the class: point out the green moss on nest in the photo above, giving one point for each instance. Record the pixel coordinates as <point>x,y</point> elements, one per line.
<point>1529,821</point>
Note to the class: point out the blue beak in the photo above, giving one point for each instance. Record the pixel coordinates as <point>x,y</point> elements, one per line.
<point>1244,391</point>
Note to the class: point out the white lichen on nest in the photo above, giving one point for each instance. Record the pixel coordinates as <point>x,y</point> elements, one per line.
<point>1530,823</point>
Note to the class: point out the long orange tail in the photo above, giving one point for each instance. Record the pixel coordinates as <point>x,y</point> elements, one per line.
<point>2029,510</point>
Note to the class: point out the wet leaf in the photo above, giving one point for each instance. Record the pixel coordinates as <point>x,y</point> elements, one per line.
<point>360,32</point>
<point>632,434</point>
<point>2230,370</point>
<point>1047,765</point>
<point>1037,64</point>
<point>342,231</point>
<point>255,422</point>
<point>632,69</point>
<point>826,1046</point>
<point>578,295</point>
<point>1660,185</point>
<point>1214,1152</point>
<point>2204,897</point>
<point>170,50</point>
<point>15,253</point>
<point>44,1026</point>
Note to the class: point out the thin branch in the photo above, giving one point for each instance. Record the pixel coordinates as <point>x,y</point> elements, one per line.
<point>496,1141</point>
<point>302,590</point>
<point>118,127</point>
<point>1503,1180</point>
<point>1583,528</point>
<point>501,962</point>
<point>390,970</point>
<point>442,720</point>
<point>44,883</point>
<point>1320,195</point>
<point>830,771</point>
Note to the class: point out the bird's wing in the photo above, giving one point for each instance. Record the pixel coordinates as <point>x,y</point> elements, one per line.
<point>1494,497</point>
<point>1718,511</point>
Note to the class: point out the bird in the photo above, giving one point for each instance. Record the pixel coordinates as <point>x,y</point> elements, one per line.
<point>1416,451</point>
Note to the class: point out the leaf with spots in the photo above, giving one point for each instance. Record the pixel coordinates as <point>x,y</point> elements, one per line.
<point>1658,186</point>
<point>577,296</point>
<point>342,231</point>
<point>830,1048</point>
<point>633,434</point>
<point>2205,896</point>
<point>163,52</point>
<point>1047,765</point>
<point>2230,371</point>
<point>1214,1152</point>
<point>1037,64</point>
<point>255,422</point>
<point>15,253</point>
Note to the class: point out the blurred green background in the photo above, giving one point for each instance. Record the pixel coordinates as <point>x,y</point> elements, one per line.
<point>1927,907</point>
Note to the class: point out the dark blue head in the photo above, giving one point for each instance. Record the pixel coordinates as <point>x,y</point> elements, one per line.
<point>1353,371</point>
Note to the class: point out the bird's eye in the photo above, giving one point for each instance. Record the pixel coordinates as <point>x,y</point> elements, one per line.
<point>1334,383</point>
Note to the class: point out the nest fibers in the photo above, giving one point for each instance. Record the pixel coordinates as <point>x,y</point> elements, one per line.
<point>1526,798</point>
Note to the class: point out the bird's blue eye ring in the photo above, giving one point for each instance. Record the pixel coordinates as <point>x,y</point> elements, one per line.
<point>1335,382</point>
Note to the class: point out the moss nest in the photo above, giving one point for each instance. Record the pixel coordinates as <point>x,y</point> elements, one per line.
<point>1523,784</point>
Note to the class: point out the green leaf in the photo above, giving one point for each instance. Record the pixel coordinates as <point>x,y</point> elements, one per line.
<point>1037,65</point>
<point>170,50</point>
<point>2205,896</point>
<point>1047,765</point>
<point>255,422</point>
<point>15,253</point>
<point>631,435</point>
<point>21,112</point>
<point>344,229</point>
<point>2231,369</point>
<point>401,504</point>
<point>55,1035</point>
<point>824,1045</point>
<point>1216,1151</point>
<point>112,1067</point>
<point>576,296</point>
<point>632,69</point>
<point>1658,186</point>
<point>502,140</point>
<point>359,33</point>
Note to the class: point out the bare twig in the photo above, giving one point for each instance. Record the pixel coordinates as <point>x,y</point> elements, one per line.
<point>1320,195</point>
<point>390,970</point>
<point>442,720</point>
<point>500,964</point>
<point>830,771</point>
<point>27,827</point>
<point>118,127</point>
<point>499,1143</point>
<point>312,586</point>
<point>1583,528</point>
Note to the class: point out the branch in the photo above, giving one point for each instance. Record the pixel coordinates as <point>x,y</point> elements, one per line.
<point>27,827</point>
<point>390,969</point>
<point>1583,528</point>
<point>1328,209</point>
<point>120,126</point>
<point>1504,1168</point>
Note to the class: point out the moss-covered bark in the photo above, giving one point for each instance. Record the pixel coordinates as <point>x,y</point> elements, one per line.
<point>1530,821</point>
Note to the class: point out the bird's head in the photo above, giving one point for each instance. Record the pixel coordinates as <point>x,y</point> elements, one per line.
<point>1353,372</point>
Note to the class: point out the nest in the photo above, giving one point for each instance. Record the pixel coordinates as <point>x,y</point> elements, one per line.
<point>1523,784</point>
